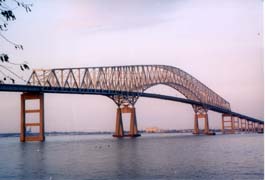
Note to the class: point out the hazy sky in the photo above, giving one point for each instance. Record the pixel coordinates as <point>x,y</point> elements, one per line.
<point>218,42</point>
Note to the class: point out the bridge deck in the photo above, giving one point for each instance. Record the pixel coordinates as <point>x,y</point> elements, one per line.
<point>61,90</point>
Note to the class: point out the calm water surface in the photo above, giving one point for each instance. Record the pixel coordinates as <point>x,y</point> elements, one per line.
<point>157,156</point>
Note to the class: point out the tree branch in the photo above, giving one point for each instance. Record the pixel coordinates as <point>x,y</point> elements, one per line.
<point>21,78</point>
<point>17,46</point>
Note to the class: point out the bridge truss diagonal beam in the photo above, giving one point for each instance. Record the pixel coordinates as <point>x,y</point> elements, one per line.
<point>134,78</point>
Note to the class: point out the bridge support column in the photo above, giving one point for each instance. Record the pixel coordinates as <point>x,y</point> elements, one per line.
<point>204,116</point>
<point>250,126</point>
<point>256,125</point>
<point>196,125</point>
<point>206,124</point>
<point>227,124</point>
<point>236,124</point>
<point>247,126</point>
<point>243,125</point>
<point>260,128</point>
<point>24,135</point>
<point>119,131</point>
<point>133,124</point>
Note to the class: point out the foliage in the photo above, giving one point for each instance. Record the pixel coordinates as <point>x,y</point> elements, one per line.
<point>7,7</point>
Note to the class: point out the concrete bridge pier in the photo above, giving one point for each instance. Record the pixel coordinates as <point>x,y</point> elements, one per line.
<point>27,136</point>
<point>133,124</point>
<point>119,131</point>
<point>260,128</point>
<point>247,126</point>
<point>236,124</point>
<point>198,116</point>
<point>256,125</point>
<point>250,126</point>
<point>243,125</point>
<point>196,130</point>
<point>228,124</point>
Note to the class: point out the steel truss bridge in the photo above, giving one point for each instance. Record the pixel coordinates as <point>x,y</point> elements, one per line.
<point>124,85</point>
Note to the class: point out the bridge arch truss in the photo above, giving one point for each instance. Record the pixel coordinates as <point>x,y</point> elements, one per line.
<point>134,78</point>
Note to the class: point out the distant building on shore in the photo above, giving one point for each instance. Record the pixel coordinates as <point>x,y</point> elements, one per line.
<point>152,130</point>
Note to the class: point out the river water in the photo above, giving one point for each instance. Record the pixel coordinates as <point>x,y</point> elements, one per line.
<point>155,156</point>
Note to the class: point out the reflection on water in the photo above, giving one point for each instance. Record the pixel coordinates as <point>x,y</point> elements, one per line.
<point>155,156</point>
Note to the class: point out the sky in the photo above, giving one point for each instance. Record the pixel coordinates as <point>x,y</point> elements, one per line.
<point>218,42</point>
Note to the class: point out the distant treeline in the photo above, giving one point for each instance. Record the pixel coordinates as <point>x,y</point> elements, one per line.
<point>55,133</point>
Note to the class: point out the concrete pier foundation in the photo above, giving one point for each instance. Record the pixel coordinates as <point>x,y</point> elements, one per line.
<point>24,135</point>
<point>203,116</point>
<point>228,124</point>
<point>119,131</point>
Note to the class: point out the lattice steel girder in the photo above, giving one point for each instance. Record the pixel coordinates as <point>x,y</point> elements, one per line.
<point>135,78</point>
<point>124,99</point>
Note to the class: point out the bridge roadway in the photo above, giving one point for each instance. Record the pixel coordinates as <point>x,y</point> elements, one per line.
<point>63,90</point>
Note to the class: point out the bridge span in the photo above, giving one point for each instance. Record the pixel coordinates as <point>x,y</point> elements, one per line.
<point>124,85</point>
